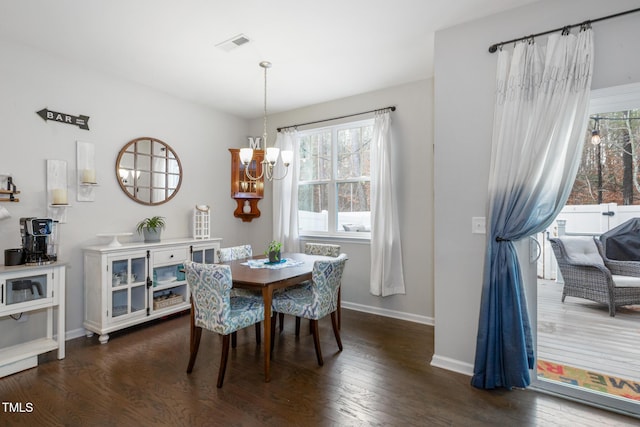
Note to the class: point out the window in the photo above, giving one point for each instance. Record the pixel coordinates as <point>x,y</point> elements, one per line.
<point>608,172</point>
<point>334,183</point>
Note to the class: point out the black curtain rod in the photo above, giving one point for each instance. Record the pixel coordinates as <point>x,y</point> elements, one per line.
<point>494,47</point>
<point>392,108</point>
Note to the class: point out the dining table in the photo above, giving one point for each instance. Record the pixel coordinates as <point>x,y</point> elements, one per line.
<point>267,279</point>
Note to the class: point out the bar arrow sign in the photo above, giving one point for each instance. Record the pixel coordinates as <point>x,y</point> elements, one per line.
<point>81,121</point>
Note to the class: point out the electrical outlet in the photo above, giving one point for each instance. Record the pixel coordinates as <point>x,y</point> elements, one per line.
<point>478,225</point>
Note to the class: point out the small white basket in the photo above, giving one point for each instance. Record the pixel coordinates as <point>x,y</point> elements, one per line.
<point>201,222</point>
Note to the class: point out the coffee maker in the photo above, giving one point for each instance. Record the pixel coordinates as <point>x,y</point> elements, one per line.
<point>39,240</point>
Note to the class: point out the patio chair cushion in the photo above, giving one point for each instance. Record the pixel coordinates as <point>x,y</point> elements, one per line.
<point>626,281</point>
<point>581,250</point>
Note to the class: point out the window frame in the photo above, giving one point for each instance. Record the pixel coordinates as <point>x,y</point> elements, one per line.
<point>333,182</point>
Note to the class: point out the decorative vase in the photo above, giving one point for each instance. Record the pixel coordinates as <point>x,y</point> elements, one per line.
<point>247,207</point>
<point>274,256</point>
<point>151,235</point>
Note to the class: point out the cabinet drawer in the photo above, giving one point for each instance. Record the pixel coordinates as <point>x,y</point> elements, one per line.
<point>170,255</point>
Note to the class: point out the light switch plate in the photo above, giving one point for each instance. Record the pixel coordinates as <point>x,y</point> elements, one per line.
<point>478,225</point>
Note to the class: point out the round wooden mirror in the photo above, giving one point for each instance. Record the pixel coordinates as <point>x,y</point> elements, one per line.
<point>149,171</point>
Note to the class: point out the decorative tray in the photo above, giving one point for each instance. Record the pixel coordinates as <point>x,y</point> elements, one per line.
<point>166,281</point>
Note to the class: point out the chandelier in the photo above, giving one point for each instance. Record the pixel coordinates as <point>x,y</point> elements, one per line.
<point>272,153</point>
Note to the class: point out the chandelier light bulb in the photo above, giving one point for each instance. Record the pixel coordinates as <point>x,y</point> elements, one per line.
<point>287,157</point>
<point>272,155</point>
<point>246,154</point>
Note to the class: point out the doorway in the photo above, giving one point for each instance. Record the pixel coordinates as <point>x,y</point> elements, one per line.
<point>583,353</point>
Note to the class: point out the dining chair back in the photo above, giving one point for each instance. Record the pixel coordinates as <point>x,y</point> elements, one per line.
<point>213,308</point>
<point>316,301</point>
<point>325,249</point>
<point>234,252</point>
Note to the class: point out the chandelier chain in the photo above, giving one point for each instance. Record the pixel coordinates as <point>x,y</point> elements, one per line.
<point>264,132</point>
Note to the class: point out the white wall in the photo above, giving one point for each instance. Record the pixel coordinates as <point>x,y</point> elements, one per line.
<point>119,112</point>
<point>464,96</point>
<point>413,160</point>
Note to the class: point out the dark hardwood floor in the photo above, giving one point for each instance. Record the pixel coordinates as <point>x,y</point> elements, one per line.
<point>383,377</point>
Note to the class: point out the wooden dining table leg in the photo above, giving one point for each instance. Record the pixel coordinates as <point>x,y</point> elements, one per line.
<point>267,294</point>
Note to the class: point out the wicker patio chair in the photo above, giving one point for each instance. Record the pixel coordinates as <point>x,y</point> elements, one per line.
<point>588,275</point>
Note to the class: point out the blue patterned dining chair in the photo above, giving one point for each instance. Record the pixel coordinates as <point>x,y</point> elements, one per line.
<point>233,253</point>
<point>315,301</point>
<point>213,308</point>
<point>323,249</point>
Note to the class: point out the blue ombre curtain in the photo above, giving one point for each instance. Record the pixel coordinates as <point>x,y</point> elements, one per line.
<point>539,130</point>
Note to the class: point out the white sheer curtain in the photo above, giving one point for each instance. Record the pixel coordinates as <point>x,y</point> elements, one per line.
<point>387,276</point>
<point>285,195</point>
<point>539,129</point>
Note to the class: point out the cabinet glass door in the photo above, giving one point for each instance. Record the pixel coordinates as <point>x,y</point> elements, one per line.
<point>26,288</point>
<point>128,285</point>
<point>206,256</point>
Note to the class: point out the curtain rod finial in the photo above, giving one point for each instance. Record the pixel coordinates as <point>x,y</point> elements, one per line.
<point>493,48</point>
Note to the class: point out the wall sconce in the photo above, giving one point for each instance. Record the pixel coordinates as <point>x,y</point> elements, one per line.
<point>57,197</point>
<point>86,171</point>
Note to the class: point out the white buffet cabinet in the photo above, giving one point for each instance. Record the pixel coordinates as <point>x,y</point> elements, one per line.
<point>24,290</point>
<point>133,283</point>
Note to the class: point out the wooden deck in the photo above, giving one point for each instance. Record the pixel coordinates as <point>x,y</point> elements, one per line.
<point>581,333</point>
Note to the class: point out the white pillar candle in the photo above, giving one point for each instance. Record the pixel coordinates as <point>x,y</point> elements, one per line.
<point>59,196</point>
<point>88,176</point>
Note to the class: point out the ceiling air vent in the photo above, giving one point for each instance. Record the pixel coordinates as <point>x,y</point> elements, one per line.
<point>233,43</point>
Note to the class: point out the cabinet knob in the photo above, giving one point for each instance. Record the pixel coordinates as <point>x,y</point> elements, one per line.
<point>171,256</point>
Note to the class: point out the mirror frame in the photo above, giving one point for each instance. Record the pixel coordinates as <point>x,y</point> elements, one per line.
<point>131,152</point>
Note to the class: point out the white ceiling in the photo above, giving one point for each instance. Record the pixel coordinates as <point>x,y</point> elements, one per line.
<point>320,49</point>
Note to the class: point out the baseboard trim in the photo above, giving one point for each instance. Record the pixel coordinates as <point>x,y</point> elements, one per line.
<point>76,333</point>
<point>425,320</point>
<point>452,365</point>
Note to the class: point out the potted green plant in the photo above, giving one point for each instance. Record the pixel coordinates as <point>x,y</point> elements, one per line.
<point>273,251</point>
<point>151,228</point>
